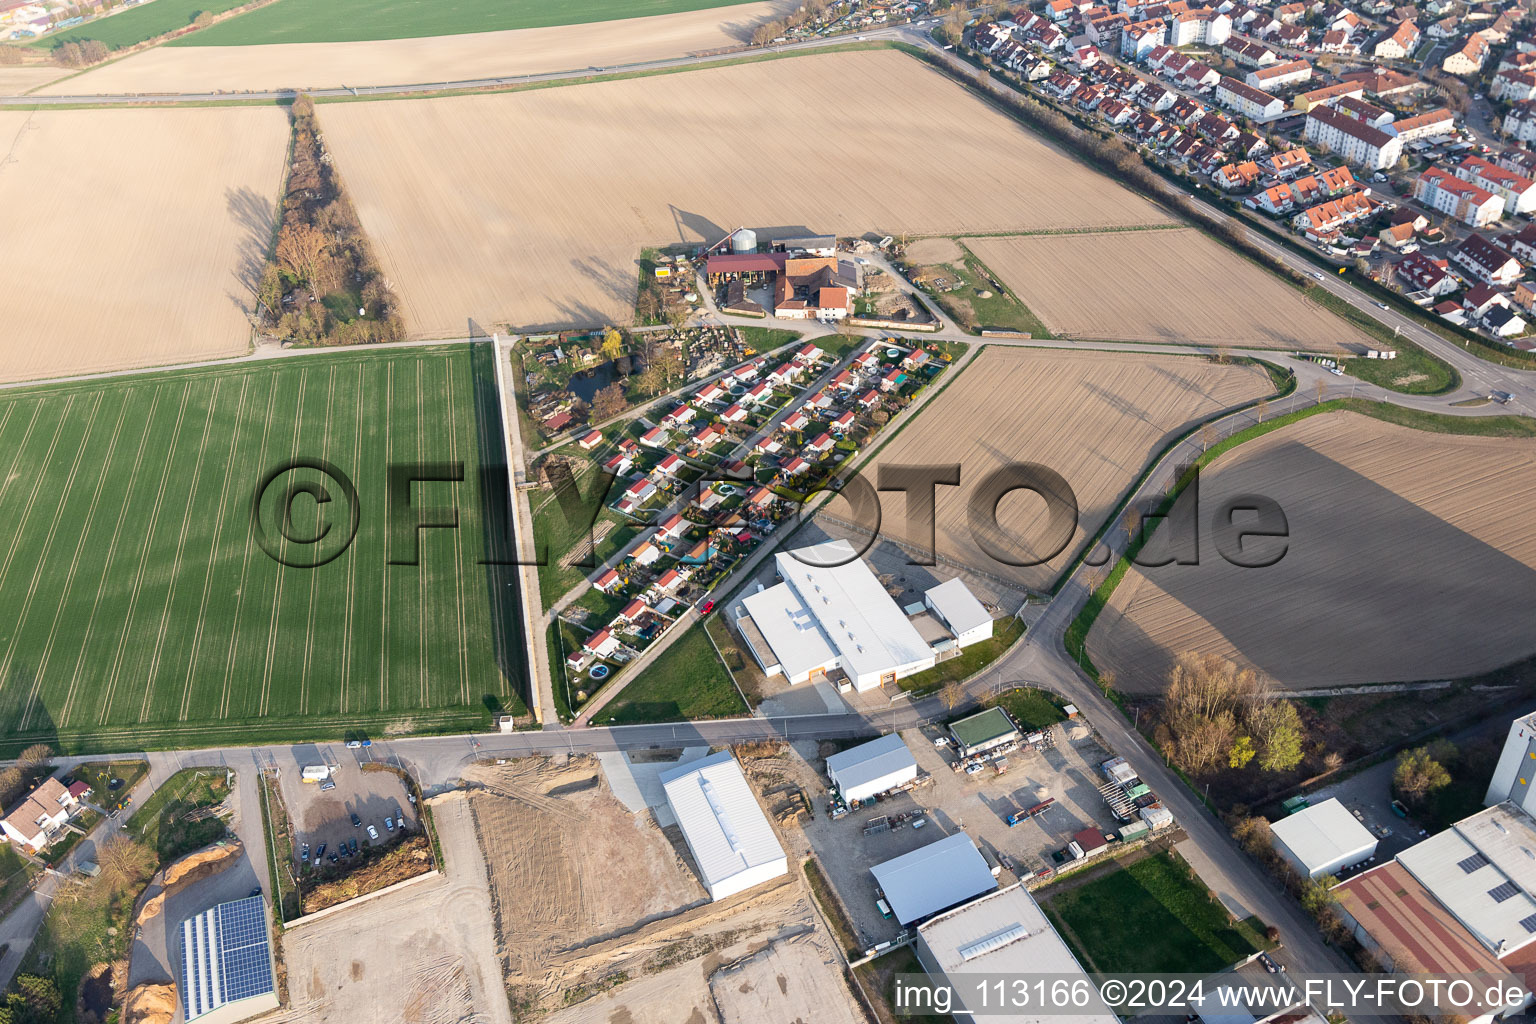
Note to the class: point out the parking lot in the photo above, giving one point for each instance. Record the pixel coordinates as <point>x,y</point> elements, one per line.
<point>979,804</point>
<point>325,816</point>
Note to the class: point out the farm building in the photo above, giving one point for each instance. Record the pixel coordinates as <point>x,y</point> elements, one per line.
<point>1002,934</point>
<point>730,838</point>
<point>1323,839</point>
<point>830,614</point>
<point>983,731</point>
<point>227,972</point>
<point>933,879</point>
<point>874,767</point>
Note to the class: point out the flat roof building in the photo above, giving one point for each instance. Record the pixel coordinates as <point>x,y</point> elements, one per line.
<point>1323,839</point>
<point>832,613</point>
<point>227,974</point>
<point>732,843</point>
<point>874,767</point>
<point>983,731</point>
<point>1003,934</point>
<point>934,878</point>
<point>1483,870</point>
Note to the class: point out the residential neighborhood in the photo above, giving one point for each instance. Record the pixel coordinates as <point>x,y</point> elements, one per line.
<point>1346,126</point>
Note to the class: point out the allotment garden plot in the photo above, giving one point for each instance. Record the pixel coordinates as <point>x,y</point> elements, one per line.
<point>138,602</point>
<point>1172,286</point>
<point>195,67</point>
<point>133,237</point>
<point>541,201</point>
<point>1095,418</point>
<point>1410,556</point>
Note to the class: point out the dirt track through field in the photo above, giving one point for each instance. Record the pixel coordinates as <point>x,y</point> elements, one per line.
<point>456,58</point>
<point>133,237</point>
<point>1165,286</point>
<point>1411,556</point>
<point>1095,418</point>
<point>540,202</point>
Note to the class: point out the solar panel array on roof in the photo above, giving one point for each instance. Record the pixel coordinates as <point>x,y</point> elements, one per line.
<point>1472,863</point>
<point>1504,891</point>
<point>226,957</point>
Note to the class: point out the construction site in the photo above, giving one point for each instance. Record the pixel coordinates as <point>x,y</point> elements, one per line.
<point>600,913</point>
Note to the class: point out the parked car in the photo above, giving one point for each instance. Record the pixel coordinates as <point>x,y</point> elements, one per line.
<point>352,846</point>
<point>304,854</point>
<point>356,821</point>
<point>373,833</point>
<point>320,852</point>
<point>354,744</point>
<point>389,824</point>
<point>972,769</point>
<point>334,858</point>
<point>709,606</point>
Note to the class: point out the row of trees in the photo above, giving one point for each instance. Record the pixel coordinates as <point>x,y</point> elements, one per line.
<point>1216,715</point>
<point>321,253</point>
<point>80,53</point>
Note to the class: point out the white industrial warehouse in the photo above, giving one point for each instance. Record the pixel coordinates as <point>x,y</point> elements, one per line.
<point>1516,770</point>
<point>723,824</point>
<point>1323,839</point>
<point>1003,934</point>
<point>934,878</point>
<point>875,767</point>
<point>831,613</point>
<point>1483,870</point>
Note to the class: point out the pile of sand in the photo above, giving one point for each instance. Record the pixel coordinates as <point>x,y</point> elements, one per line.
<point>150,1004</point>
<point>194,867</point>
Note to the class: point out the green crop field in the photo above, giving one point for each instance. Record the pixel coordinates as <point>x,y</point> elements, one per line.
<point>342,21</point>
<point>139,607</point>
<point>136,24</point>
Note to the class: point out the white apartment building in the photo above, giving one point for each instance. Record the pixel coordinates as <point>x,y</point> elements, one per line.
<point>1353,140</point>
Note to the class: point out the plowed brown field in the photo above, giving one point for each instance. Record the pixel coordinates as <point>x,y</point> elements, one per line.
<point>531,208</point>
<point>453,58</point>
<point>1169,286</point>
<point>133,237</point>
<point>1411,556</point>
<point>1095,418</point>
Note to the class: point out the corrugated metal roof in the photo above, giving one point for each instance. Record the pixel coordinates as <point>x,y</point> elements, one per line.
<point>859,617</point>
<point>934,878</point>
<point>959,608</point>
<point>869,762</point>
<point>1004,933</point>
<point>1506,837</point>
<point>720,818</point>
<point>1321,834</point>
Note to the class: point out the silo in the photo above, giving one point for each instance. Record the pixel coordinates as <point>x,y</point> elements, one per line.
<point>743,240</point>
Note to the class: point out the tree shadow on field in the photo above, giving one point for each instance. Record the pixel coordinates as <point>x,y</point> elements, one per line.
<point>24,719</point>
<point>1365,570</point>
<point>256,217</point>
<point>502,582</point>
